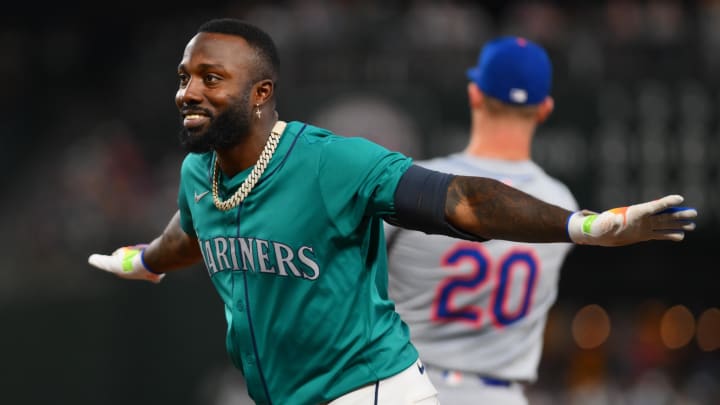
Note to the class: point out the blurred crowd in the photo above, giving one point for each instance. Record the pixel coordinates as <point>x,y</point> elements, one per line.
<point>91,159</point>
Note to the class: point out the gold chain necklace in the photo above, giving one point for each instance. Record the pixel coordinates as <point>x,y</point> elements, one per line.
<point>257,171</point>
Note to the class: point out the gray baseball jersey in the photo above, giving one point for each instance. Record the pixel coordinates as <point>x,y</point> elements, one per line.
<point>479,308</point>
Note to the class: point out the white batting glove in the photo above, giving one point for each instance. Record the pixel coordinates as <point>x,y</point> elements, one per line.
<point>126,262</point>
<point>662,219</point>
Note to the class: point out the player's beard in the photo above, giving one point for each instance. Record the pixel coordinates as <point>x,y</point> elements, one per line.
<point>224,131</point>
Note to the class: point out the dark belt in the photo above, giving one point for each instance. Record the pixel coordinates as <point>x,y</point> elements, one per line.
<point>495,382</point>
<point>489,381</point>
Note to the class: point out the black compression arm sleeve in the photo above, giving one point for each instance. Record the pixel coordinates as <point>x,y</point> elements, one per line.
<point>420,203</point>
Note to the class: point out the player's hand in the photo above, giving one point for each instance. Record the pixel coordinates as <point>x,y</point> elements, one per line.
<point>126,262</point>
<point>661,219</point>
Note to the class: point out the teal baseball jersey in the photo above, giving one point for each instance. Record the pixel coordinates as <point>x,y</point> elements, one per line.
<point>301,265</point>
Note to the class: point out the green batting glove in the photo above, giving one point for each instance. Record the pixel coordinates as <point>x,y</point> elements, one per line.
<point>661,219</point>
<point>126,262</point>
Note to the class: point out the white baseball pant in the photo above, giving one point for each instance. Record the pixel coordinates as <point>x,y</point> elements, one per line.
<point>409,387</point>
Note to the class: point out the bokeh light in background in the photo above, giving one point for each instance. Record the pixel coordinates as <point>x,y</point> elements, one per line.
<point>708,330</point>
<point>591,327</point>
<point>677,327</point>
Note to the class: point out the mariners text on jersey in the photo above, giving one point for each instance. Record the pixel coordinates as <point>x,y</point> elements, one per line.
<point>257,255</point>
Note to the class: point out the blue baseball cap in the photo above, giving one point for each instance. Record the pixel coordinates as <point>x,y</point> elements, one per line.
<point>513,70</point>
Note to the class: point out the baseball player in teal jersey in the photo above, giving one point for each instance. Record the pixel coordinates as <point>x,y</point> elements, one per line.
<point>288,217</point>
<point>271,255</point>
<point>477,311</point>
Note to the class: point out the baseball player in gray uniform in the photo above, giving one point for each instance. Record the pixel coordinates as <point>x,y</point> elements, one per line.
<point>477,311</point>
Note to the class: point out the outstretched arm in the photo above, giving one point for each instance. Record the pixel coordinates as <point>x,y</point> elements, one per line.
<point>478,208</point>
<point>172,250</point>
<point>493,210</point>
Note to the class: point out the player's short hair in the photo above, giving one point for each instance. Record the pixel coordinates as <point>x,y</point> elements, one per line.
<point>499,107</point>
<point>268,66</point>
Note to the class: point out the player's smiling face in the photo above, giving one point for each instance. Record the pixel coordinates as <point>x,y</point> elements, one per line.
<point>214,91</point>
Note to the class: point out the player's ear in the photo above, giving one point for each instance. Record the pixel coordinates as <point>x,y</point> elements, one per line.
<point>263,90</point>
<point>475,96</point>
<point>545,108</point>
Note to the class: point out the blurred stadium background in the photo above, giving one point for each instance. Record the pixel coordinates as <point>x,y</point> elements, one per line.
<point>90,161</point>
